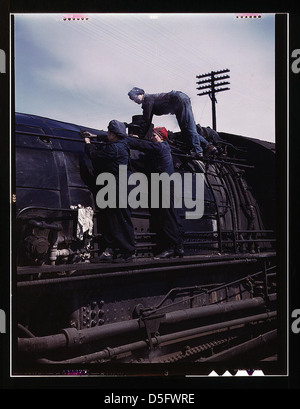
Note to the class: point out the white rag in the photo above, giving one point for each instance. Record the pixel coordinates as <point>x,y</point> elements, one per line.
<point>84,221</point>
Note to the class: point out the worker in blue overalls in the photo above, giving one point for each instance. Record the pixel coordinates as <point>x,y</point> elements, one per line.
<point>174,102</point>
<point>115,223</point>
<point>167,221</point>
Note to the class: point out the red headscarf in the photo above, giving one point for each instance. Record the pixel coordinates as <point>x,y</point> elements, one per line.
<point>162,132</point>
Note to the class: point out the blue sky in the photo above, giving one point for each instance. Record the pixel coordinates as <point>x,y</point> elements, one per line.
<point>81,71</point>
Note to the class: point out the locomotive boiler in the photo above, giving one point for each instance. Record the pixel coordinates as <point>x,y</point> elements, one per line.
<point>216,303</point>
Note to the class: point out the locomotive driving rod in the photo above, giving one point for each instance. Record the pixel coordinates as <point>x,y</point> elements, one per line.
<point>71,337</point>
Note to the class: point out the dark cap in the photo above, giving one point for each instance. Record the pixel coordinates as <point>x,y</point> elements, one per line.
<point>134,92</point>
<point>118,128</point>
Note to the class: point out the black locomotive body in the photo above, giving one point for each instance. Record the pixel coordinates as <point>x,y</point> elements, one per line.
<point>215,303</point>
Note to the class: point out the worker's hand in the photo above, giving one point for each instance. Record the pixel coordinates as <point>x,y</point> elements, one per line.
<point>86,134</point>
<point>87,140</point>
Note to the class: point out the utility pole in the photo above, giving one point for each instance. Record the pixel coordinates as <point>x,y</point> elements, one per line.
<point>211,81</point>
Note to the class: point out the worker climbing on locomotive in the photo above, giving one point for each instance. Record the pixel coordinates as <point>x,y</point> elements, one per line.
<point>166,219</point>
<point>174,102</point>
<point>115,222</point>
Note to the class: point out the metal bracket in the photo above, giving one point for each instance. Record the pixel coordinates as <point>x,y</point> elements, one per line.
<point>150,322</point>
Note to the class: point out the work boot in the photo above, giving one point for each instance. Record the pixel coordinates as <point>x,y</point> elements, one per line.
<point>196,155</point>
<point>211,150</point>
<point>179,251</point>
<point>124,258</point>
<point>106,256</point>
<point>165,254</point>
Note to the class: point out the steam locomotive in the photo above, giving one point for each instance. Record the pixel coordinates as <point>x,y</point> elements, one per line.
<point>216,303</point>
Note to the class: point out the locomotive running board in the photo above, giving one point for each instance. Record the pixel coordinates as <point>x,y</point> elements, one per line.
<point>143,265</point>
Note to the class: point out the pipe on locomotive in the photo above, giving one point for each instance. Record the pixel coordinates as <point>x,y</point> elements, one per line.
<point>93,141</point>
<point>44,225</point>
<point>71,337</point>
<point>138,271</point>
<point>109,353</point>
